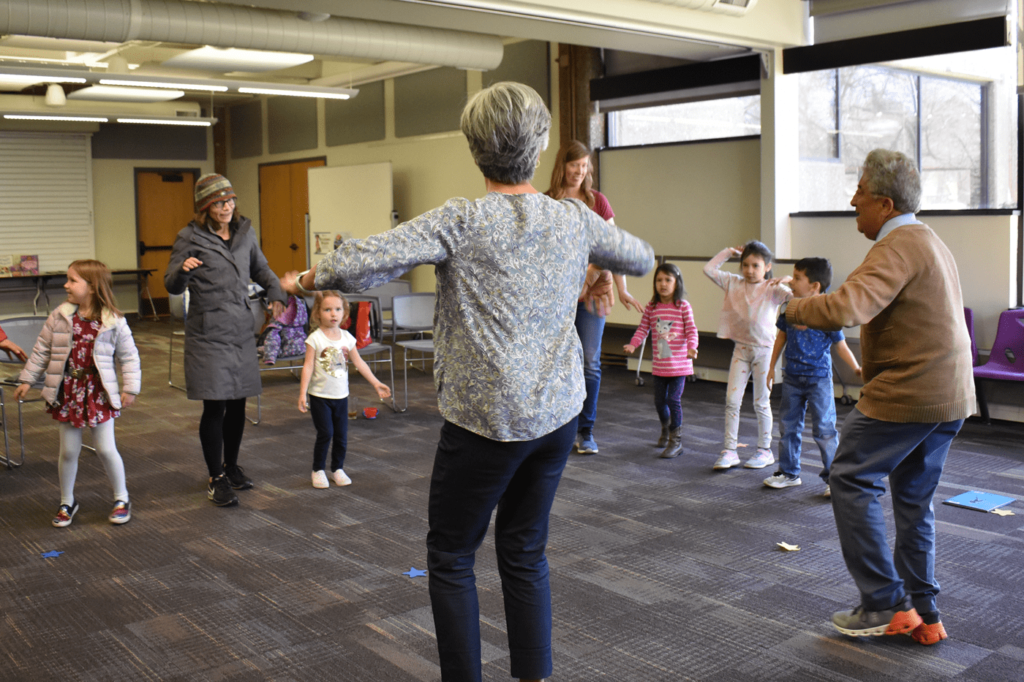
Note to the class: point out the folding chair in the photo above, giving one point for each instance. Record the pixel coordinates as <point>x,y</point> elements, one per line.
<point>22,331</point>
<point>178,304</point>
<point>413,313</point>
<point>377,345</point>
<point>386,292</point>
<point>257,294</point>
<point>1006,361</point>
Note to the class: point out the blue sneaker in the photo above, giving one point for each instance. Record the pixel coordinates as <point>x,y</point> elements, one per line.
<point>586,444</point>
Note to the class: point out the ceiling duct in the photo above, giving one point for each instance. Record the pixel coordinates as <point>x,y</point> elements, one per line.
<point>736,8</point>
<point>202,23</point>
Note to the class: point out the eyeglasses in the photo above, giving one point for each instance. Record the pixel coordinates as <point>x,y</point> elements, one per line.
<point>222,204</point>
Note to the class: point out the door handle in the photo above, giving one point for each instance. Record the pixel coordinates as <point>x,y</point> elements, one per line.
<point>294,247</point>
<point>143,248</point>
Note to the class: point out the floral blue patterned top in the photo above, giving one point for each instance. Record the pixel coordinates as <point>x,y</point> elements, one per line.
<point>508,362</point>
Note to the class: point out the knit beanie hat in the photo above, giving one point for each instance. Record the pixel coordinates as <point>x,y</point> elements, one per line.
<point>212,188</point>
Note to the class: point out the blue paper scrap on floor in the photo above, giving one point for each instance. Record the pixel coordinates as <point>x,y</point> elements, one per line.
<point>985,502</point>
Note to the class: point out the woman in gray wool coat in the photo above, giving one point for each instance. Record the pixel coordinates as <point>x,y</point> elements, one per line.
<point>214,257</point>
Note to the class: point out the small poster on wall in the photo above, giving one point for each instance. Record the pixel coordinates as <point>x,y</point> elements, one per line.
<point>322,243</point>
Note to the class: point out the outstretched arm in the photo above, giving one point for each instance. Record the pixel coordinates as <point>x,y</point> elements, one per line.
<point>307,374</point>
<point>13,349</point>
<point>780,343</point>
<point>624,296</point>
<point>382,389</point>
<point>846,355</point>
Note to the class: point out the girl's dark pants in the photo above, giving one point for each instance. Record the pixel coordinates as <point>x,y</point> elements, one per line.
<point>330,417</point>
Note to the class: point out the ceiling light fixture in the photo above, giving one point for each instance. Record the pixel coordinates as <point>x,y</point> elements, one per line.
<point>175,85</point>
<point>32,80</point>
<point>113,93</point>
<point>55,96</point>
<point>234,59</point>
<point>33,117</point>
<point>323,93</point>
<point>204,122</point>
<point>140,83</point>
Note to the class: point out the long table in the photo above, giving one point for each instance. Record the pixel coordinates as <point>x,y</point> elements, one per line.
<point>40,281</point>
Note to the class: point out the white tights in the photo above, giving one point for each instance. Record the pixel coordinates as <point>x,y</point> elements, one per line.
<point>106,448</point>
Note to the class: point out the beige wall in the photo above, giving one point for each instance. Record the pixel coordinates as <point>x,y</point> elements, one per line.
<point>113,182</point>
<point>427,170</point>
<point>985,248</point>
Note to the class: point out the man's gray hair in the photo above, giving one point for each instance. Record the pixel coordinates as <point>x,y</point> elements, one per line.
<point>891,174</point>
<point>507,127</point>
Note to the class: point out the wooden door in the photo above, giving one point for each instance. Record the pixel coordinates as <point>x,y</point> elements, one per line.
<point>165,204</point>
<point>284,203</point>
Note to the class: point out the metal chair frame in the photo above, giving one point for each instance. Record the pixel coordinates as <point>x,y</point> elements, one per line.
<point>420,319</point>
<point>178,305</point>
<point>22,331</point>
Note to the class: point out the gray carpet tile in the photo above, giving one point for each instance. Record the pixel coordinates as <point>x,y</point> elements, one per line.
<point>660,569</point>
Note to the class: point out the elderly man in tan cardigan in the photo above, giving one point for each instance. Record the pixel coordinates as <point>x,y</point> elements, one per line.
<point>918,390</point>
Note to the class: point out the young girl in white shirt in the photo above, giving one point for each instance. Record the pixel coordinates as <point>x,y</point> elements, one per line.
<point>329,348</point>
<point>748,318</point>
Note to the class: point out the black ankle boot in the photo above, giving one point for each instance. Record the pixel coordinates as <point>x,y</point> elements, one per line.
<point>675,444</point>
<point>663,439</point>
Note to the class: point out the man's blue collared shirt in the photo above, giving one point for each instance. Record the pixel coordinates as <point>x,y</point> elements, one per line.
<point>892,223</point>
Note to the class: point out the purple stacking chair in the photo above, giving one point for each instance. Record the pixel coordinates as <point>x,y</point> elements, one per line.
<point>1006,362</point>
<point>969,318</point>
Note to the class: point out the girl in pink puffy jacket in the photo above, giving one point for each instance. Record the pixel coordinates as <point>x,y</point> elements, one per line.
<point>74,355</point>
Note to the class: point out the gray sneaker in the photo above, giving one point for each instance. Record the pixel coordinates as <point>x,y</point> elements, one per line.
<point>763,458</point>
<point>781,480</point>
<point>899,620</point>
<point>586,445</point>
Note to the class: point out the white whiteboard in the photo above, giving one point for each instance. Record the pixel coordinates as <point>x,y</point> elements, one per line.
<point>351,201</point>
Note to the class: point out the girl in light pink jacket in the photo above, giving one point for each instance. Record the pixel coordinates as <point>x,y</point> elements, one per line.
<point>74,355</point>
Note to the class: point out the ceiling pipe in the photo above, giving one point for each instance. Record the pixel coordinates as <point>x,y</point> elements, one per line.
<point>203,23</point>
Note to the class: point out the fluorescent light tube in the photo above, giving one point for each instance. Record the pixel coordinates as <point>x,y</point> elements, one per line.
<point>167,121</point>
<point>42,78</point>
<point>324,94</point>
<point>33,117</point>
<point>173,86</point>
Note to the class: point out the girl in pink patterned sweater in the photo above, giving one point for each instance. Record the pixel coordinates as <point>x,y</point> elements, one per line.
<point>748,318</point>
<point>674,338</point>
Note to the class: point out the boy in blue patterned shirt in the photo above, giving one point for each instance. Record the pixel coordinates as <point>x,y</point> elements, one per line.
<point>807,383</point>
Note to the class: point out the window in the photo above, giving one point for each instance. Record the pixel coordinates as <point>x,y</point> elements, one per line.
<point>954,114</point>
<point>705,120</point>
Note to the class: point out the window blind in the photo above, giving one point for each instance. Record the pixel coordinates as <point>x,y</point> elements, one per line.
<point>46,197</point>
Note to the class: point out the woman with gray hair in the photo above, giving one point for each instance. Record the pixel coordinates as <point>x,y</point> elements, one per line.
<point>508,367</point>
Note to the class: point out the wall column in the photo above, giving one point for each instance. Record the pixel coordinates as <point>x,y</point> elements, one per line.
<point>780,155</point>
<point>578,116</point>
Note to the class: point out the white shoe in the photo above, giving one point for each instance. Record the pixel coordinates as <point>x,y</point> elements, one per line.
<point>320,479</point>
<point>828,492</point>
<point>728,460</point>
<point>781,480</point>
<point>340,477</point>
<point>763,458</point>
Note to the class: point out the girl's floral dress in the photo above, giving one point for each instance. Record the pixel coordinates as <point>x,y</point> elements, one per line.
<point>82,401</point>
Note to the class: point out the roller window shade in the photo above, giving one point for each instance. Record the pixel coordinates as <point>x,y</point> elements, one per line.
<point>46,198</point>
<point>844,19</point>
<point>734,77</point>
